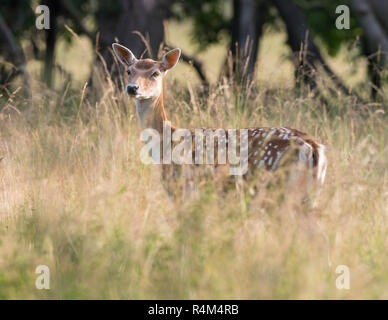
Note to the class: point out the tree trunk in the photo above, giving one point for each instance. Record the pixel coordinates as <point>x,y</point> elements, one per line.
<point>247,27</point>
<point>375,34</point>
<point>16,51</point>
<point>372,17</point>
<point>306,52</point>
<point>118,20</point>
<point>380,9</point>
<point>51,38</point>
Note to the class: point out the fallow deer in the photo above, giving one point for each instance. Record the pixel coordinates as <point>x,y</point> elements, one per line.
<point>268,147</point>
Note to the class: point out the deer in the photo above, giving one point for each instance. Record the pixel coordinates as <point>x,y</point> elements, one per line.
<point>268,147</point>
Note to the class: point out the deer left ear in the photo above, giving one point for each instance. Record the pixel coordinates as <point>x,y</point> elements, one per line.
<point>170,59</point>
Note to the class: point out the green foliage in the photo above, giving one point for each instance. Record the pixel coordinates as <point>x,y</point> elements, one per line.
<point>321,19</point>
<point>213,19</point>
<point>210,19</point>
<point>20,16</point>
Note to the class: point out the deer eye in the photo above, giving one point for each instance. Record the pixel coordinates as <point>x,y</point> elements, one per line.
<point>155,74</point>
<point>129,72</point>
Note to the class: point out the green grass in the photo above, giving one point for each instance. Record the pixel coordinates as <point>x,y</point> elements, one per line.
<point>75,196</point>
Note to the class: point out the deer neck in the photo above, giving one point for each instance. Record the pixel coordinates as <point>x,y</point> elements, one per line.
<point>151,113</point>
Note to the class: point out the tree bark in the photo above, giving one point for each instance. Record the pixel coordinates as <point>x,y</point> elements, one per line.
<point>380,9</point>
<point>51,38</point>
<point>120,19</point>
<point>306,53</point>
<point>372,17</point>
<point>16,51</point>
<point>247,27</point>
<point>374,32</point>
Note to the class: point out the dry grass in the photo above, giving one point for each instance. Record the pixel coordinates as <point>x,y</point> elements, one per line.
<point>75,196</point>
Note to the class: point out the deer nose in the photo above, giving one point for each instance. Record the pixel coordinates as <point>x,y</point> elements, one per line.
<point>132,89</point>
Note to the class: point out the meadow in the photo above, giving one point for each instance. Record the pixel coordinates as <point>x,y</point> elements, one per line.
<point>75,196</point>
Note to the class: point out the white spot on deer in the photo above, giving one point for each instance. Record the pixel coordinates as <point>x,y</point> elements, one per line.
<point>321,170</point>
<point>278,156</point>
<point>305,152</point>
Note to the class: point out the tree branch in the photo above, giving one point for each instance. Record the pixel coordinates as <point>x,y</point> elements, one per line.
<point>301,41</point>
<point>375,35</point>
<point>16,51</point>
<point>196,64</point>
<point>376,38</point>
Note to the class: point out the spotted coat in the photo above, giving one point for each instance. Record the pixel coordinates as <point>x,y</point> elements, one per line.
<point>268,148</point>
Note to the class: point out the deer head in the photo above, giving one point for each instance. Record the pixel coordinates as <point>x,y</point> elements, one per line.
<point>145,76</point>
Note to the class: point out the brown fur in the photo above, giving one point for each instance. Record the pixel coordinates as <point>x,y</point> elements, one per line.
<point>267,147</point>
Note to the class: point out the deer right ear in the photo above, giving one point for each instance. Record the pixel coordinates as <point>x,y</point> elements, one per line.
<point>125,56</point>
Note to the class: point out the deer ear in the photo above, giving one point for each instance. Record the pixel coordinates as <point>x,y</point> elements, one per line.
<point>170,59</point>
<point>125,56</point>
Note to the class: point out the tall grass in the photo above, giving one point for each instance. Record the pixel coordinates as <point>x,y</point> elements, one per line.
<point>75,196</point>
